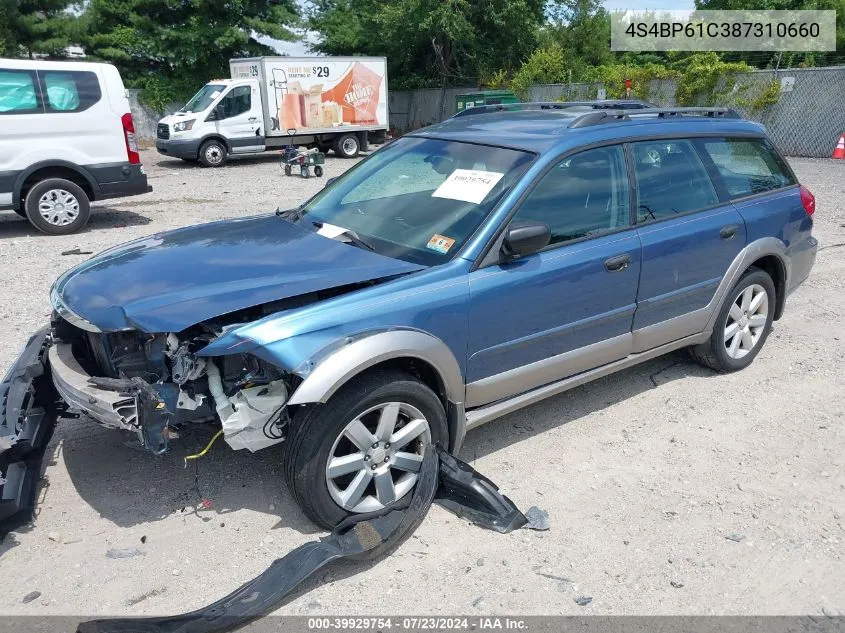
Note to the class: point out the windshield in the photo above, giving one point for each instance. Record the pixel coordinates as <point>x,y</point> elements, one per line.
<point>200,101</point>
<point>417,199</point>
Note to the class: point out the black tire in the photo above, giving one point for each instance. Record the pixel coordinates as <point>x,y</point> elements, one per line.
<point>303,171</point>
<point>318,171</point>
<point>213,153</point>
<point>314,429</point>
<point>347,146</point>
<point>33,200</point>
<point>714,353</point>
<point>288,170</point>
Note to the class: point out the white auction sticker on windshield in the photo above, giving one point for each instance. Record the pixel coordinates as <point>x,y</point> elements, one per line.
<point>469,185</point>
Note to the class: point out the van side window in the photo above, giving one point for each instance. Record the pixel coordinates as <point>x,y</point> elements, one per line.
<point>584,194</point>
<point>237,101</point>
<point>747,166</point>
<point>70,91</point>
<point>17,92</point>
<point>670,180</point>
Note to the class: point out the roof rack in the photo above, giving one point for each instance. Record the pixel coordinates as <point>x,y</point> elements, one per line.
<point>611,116</point>
<point>609,104</point>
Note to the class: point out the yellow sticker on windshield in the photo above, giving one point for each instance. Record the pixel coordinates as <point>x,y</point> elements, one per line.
<point>440,243</point>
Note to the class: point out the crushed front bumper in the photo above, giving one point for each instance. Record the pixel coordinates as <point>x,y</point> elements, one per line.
<point>27,419</point>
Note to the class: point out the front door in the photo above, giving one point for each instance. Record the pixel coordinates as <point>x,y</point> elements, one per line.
<point>569,307</point>
<point>242,121</point>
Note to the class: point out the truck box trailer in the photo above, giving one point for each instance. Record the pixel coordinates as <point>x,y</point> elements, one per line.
<point>337,103</point>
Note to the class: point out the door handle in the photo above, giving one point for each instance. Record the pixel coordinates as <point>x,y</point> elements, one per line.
<point>728,232</point>
<point>253,118</point>
<point>618,263</point>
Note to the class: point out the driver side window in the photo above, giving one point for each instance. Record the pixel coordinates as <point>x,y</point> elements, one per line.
<point>236,102</point>
<point>584,194</point>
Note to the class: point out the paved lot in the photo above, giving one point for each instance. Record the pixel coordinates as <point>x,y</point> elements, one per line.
<point>670,490</point>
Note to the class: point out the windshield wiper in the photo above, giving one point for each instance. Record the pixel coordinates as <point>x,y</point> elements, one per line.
<point>350,237</point>
<point>291,215</point>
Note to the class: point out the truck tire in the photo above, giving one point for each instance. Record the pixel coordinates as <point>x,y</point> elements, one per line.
<point>321,433</point>
<point>57,206</point>
<point>213,153</point>
<point>347,146</point>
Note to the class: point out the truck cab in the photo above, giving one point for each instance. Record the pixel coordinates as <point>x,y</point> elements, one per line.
<point>225,117</point>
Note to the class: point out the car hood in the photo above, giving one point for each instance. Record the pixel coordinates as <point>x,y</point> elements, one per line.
<point>172,280</point>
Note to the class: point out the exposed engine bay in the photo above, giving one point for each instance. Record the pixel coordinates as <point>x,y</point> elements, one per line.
<point>155,384</point>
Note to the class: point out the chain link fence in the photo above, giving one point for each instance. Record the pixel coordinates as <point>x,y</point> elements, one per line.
<point>806,119</point>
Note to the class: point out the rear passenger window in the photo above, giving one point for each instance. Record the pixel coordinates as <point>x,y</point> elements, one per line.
<point>670,180</point>
<point>747,166</point>
<point>70,91</point>
<point>17,92</point>
<point>584,194</point>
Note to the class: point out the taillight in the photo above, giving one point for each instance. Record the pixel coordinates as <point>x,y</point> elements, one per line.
<point>808,200</point>
<point>131,141</point>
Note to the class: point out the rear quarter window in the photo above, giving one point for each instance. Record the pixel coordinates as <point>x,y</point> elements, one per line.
<point>747,166</point>
<point>70,91</point>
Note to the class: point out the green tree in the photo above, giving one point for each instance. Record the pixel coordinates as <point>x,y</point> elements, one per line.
<point>582,29</point>
<point>30,27</point>
<point>430,42</point>
<point>172,47</point>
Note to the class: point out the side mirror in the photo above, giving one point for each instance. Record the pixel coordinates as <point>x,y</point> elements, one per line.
<point>524,238</point>
<point>330,181</point>
<point>217,114</point>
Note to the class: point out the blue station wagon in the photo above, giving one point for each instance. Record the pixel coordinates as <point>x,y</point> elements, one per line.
<point>457,274</point>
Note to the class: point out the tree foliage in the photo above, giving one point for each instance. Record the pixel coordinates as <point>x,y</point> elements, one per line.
<point>30,27</point>
<point>172,47</point>
<point>431,42</point>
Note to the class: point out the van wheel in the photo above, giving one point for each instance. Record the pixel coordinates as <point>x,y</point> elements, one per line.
<point>57,207</point>
<point>742,326</point>
<point>347,146</point>
<point>213,154</point>
<point>360,451</point>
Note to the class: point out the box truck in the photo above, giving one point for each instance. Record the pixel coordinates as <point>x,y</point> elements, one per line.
<point>337,103</point>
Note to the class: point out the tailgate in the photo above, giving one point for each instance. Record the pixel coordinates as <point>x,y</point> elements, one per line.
<point>27,419</point>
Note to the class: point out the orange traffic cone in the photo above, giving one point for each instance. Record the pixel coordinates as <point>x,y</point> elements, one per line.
<point>839,150</point>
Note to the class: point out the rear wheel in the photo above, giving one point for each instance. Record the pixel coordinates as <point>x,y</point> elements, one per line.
<point>347,146</point>
<point>362,450</point>
<point>57,206</point>
<point>318,171</point>
<point>742,326</point>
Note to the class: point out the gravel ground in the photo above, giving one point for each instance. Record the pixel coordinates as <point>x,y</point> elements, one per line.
<point>670,490</point>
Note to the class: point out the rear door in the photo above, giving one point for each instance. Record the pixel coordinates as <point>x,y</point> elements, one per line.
<point>689,239</point>
<point>242,119</point>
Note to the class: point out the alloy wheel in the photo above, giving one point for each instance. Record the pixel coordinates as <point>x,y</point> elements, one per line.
<point>746,321</point>
<point>376,458</point>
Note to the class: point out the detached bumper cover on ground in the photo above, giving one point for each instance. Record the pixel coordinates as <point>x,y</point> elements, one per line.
<point>27,420</point>
<point>359,537</point>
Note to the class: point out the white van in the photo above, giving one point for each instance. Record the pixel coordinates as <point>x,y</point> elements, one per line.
<point>66,138</point>
<point>337,103</point>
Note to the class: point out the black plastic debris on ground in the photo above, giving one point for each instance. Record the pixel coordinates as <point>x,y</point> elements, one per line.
<point>458,487</point>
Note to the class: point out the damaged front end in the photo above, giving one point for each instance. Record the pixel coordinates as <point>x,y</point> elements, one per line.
<point>154,384</point>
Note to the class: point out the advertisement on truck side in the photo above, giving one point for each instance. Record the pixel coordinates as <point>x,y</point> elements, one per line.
<point>320,94</point>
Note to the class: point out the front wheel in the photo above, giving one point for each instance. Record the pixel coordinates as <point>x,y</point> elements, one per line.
<point>742,326</point>
<point>362,450</point>
<point>318,171</point>
<point>213,153</point>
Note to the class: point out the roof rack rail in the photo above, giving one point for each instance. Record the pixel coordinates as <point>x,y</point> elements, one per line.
<point>611,116</point>
<point>610,104</point>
